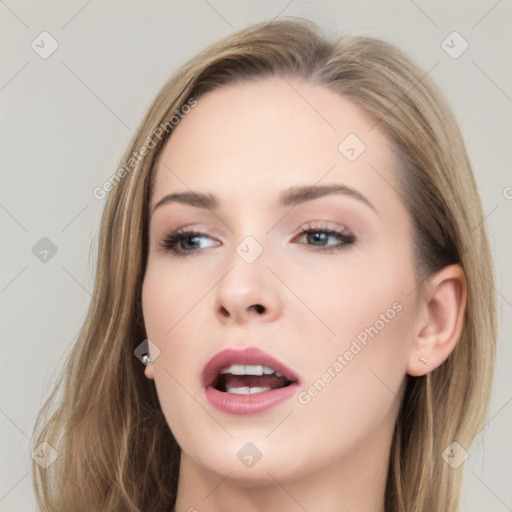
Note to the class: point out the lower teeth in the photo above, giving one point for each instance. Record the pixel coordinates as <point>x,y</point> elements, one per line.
<point>246,390</point>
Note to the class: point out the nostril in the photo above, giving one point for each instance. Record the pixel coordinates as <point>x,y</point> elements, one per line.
<point>259,308</point>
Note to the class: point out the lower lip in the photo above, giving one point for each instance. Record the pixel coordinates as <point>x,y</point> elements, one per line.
<point>230,403</point>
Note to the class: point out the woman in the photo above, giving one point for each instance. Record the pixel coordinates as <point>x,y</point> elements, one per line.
<point>293,303</point>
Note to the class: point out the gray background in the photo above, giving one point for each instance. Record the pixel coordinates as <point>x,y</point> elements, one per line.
<point>66,120</point>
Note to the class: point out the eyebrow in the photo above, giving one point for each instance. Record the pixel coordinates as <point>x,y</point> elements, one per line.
<point>288,198</point>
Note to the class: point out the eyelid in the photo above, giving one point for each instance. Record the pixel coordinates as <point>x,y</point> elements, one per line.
<point>341,231</point>
<point>322,225</point>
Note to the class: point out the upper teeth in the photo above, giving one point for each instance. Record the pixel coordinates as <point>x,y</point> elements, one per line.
<point>250,369</point>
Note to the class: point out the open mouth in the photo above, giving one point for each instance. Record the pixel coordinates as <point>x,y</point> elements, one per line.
<point>251,379</point>
<point>246,372</point>
<point>247,381</point>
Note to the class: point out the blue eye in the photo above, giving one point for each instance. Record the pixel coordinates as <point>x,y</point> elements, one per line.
<point>186,243</point>
<point>175,242</point>
<point>322,236</point>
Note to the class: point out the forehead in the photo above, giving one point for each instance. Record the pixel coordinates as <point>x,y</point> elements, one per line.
<point>262,136</point>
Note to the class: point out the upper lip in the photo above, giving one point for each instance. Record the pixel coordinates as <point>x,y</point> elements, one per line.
<point>247,356</point>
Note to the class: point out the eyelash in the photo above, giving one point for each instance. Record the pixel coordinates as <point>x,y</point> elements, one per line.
<point>346,240</point>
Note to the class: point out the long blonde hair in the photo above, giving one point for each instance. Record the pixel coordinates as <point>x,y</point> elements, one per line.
<point>115,449</point>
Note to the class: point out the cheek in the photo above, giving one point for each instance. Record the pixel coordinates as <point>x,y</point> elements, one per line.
<point>154,305</point>
<point>167,297</point>
<point>355,381</point>
<point>176,307</point>
<point>349,300</point>
<point>359,374</point>
<point>166,302</point>
<point>367,314</point>
<point>163,305</point>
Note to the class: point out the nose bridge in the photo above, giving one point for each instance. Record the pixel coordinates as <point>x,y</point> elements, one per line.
<point>250,242</point>
<point>247,289</point>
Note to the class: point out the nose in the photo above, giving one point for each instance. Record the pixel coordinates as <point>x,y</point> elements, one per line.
<point>247,292</point>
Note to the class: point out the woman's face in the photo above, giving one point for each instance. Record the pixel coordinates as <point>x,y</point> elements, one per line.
<point>335,306</point>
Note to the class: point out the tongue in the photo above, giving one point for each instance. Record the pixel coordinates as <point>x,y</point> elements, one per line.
<point>253,381</point>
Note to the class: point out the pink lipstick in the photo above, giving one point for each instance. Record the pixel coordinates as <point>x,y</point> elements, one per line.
<point>247,381</point>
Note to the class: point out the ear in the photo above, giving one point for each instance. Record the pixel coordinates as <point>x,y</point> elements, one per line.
<point>153,353</point>
<point>440,320</point>
<point>149,372</point>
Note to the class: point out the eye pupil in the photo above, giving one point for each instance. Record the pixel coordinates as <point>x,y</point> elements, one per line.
<point>319,236</point>
<point>193,245</point>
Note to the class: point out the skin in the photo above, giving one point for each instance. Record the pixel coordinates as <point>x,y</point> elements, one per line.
<point>245,144</point>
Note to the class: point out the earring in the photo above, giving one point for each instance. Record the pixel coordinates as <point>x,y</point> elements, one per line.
<point>146,359</point>
<point>423,360</point>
